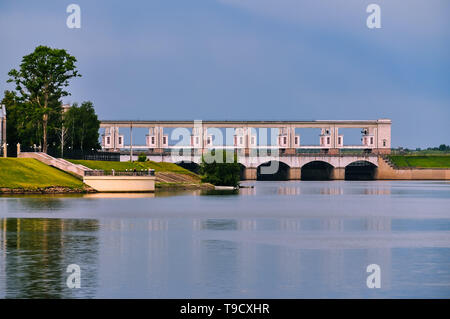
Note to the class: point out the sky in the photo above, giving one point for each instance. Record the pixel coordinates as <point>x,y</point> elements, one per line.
<point>249,59</point>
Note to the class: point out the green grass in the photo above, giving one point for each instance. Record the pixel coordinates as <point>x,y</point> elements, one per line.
<point>121,166</point>
<point>425,161</point>
<point>29,173</point>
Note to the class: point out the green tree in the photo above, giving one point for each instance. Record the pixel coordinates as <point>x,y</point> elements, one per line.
<point>40,83</point>
<point>142,157</point>
<point>220,168</point>
<point>82,126</point>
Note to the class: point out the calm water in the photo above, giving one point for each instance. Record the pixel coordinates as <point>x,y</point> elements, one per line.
<point>278,240</point>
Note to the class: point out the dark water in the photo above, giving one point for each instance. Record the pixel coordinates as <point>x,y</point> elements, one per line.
<point>278,240</point>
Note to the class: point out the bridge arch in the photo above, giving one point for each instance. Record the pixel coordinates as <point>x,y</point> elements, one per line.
<point>360,170</point>
<point>273,170</point>
<point>317,170</point>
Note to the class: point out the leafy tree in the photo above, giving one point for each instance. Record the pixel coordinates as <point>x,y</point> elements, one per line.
<point>82,126</point>
<point>219,170</point>
<point>40,83</point>
<point>142,157</point>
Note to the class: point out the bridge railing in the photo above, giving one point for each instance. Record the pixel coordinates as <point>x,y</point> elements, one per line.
<point>256,152</point>
<point>146,172</point>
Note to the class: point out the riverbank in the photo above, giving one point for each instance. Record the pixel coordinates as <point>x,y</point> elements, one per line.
<point>168,175</point>
<point>29,176</point>
<point>420,161</point>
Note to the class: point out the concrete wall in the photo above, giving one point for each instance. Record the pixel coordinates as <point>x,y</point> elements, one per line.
<point>123,184</point>
<point>387,172</point>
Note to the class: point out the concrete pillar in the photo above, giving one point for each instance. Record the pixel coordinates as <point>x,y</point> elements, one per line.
<point>250,173</point>
<point>158,132</point>
<point>338,173</point>
<point>5,150</point>
<point>295,173</point>
<point>131,142</point>
<point>18,149</point>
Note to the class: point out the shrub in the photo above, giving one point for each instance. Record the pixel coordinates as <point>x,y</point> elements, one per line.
<point>217,170</point>
<point>142,157</point>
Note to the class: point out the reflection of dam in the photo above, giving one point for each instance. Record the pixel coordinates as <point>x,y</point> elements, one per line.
<point>198,257</point>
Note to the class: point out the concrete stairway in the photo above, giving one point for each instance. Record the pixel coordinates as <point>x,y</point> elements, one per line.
<point>59,163</point>
<point>389,162</point>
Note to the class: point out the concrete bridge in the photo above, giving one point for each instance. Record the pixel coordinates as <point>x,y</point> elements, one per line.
<point>286,156</point>
<point>247,135</point>
<point>288,167</point>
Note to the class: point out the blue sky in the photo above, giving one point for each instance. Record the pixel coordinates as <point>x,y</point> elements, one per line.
<point>249,59</point>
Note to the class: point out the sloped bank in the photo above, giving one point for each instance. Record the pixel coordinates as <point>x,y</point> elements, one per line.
<point>29,176</point>
<point>168,175</point>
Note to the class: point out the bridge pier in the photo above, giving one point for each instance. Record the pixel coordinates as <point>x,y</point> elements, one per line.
<point>250,173</point>
<point>338,173</point>
<point>295,173</point>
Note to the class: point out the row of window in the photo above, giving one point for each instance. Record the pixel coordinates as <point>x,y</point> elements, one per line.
<point>239,141</point>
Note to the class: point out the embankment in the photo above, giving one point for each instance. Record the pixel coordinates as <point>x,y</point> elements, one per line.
<point>168,175</point>
<point>24,175</point>
<point>388,170</point>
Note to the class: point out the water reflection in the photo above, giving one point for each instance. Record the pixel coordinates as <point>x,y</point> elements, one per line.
<point>295,190</point>
<point>36,252</point>
<point>313,244</point>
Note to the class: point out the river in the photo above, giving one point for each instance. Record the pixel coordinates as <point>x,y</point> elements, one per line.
<point>277,240</point>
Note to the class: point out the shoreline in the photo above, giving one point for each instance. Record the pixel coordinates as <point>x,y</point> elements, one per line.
<point>89,190</point>
<point>46,190</point>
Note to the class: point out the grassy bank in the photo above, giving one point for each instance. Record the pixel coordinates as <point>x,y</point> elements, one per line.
<point>168,175</point>
<point>121,166</point>
<point>30,174</point>
<point>425,161</point>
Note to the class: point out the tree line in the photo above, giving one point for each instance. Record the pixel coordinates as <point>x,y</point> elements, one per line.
<point>35,116</point>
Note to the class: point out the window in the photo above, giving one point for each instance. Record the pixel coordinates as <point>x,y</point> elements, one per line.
<point>164,140</point>
<point>339,140</point>
<point>328,140</point>
<point>371,140</point>
<point>209,141</point>
<point>284,140</point>
<point>296,140</point>
<point>253,140</point>
<point>153,140</point>
<point>108,140</point>
<point>120,141</point>
<point>384,142</point>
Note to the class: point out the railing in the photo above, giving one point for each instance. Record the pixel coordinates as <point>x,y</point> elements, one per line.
<point>86,155</point>
<point>149,172</point>
<point>257,152</point>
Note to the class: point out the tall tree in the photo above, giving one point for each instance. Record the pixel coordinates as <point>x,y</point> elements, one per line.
<point>83,126</point>
<point>41,82</point>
